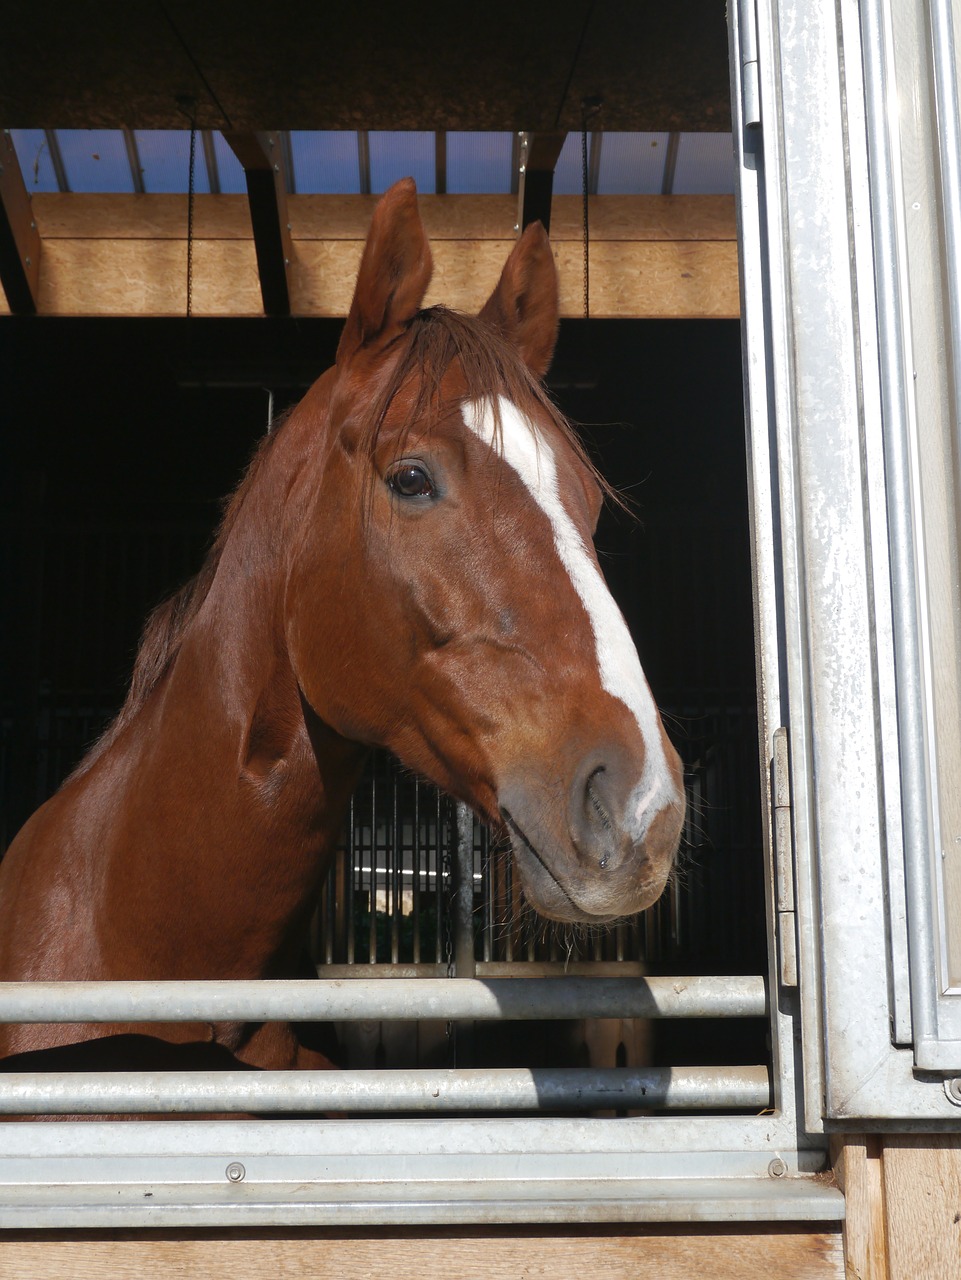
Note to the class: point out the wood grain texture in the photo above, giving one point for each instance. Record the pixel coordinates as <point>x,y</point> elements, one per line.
<point>922,1199</point>
<point>857,1164</point>
<point>116,255</point>
<point>494,1254</point>
<point>486,217</point>
<point>95,277</point>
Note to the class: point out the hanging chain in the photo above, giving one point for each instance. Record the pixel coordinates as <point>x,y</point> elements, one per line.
<point>190,215</point>
<point>587,257</point>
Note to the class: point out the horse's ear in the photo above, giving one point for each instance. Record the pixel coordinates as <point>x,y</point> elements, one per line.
<point>394,273</point>
<point>524,306</point>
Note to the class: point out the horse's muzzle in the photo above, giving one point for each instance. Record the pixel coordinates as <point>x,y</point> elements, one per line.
<point>603,851</point>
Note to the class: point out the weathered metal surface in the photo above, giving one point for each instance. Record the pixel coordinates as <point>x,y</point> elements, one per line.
<point>503,1089</point>
<point>360,999</point>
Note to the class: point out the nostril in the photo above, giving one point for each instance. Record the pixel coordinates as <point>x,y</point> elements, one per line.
<point>595,801</point>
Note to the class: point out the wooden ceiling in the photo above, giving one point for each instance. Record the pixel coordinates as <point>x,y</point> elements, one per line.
<point>294,64</point>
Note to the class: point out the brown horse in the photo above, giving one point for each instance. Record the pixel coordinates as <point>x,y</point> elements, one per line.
<point>408,564</point>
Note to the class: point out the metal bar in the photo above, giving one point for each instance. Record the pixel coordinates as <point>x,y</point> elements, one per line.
<point>359,999</point>
<point>536,185</point>
<point>133,159</point>
<point>210,160</point>
<point>363,161</point>
<point>56,159</point>
<point>512,1089</point>
<point>262,158</point>
<point>463,893</point>
<point>19,237</point>
<point>440,162</point>
<point>670,163</point>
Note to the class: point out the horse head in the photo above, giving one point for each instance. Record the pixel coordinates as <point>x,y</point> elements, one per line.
<point>443,597</point>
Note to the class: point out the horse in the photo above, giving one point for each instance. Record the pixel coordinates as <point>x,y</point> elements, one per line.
<point>408,564</point>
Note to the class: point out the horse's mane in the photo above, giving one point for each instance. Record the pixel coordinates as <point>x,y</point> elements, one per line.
<point>490,367</point>
<point>167,624</point>
<point>431,342</point>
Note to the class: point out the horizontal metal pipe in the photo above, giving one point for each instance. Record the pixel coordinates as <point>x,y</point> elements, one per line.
<point>379,999</point>
<point>573,1088</point>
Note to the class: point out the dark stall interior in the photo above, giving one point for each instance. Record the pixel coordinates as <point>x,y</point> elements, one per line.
<point>121,438</point>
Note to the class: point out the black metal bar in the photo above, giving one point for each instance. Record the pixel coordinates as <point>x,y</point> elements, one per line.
<point>19,238</point>
<point>262,157</point>
<point>210,160</point>
<point>363,161</point>
<point>133,159</point>
<point>440,162</point>
<point>670,164</point>
<point>537,181</point>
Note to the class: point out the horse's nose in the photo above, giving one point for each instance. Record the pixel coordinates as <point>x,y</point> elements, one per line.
<point>611,815</point>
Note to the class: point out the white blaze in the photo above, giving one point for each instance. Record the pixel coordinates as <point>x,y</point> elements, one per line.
<point>528,453</point>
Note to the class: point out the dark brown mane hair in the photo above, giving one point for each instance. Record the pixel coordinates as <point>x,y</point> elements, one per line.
<point>432,341</point>
<point>167,624</point>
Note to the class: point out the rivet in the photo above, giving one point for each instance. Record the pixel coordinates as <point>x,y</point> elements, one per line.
<point>952,1089</point>
<point>235,1171</point>
<point>28,262</point>
<point>777,1168</point>
<point>523,168</point>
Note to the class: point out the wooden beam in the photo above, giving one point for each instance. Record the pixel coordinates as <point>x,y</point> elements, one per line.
<point>126,255</point>
<point>261,155</point>
<point>742,1252</point>
<point>19,237</point>
<point>902,1195</point>
<point>536,187</point>
<point>226,217</point>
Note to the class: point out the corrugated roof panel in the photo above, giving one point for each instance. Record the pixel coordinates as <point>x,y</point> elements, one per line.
<point>95,160</point>
<point>402,155</point>
<point>632,164</point>
<point>165,161</point>
<point>568,172</point>
<point>479,163</point>
<point>325,162</point>
<point>34,156</point>
<point>230,172</point>
<point>705,165</point>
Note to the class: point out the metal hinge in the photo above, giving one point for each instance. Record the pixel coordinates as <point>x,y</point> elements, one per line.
<point>750,84</point>
<point>784,859</point>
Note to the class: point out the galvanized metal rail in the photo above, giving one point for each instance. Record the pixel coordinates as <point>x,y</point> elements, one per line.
<point>380,999</point>
<point>512,1089</point>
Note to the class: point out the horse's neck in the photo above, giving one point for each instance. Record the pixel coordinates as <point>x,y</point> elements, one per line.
<point>232,689</point>
<point>226,765</point>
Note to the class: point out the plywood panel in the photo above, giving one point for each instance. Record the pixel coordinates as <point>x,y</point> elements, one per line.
<point>496,1254</point>
<point>148,277</point>
<point>225,217</point>
<point>650,256</point>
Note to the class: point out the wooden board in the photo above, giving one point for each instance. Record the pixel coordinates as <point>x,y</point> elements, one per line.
<point>650,256</point>
<point>903,1200</point>
<point>492,1254</point>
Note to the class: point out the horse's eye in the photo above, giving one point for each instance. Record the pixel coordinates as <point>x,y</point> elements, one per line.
<point>410,481</point>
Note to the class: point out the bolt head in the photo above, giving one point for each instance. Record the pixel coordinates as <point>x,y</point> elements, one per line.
<point>952,1089</point>
<point>777,1168</point>
<point>235,1171</point>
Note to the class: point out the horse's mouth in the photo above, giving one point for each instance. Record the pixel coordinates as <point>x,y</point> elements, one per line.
<point>542,888</point>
